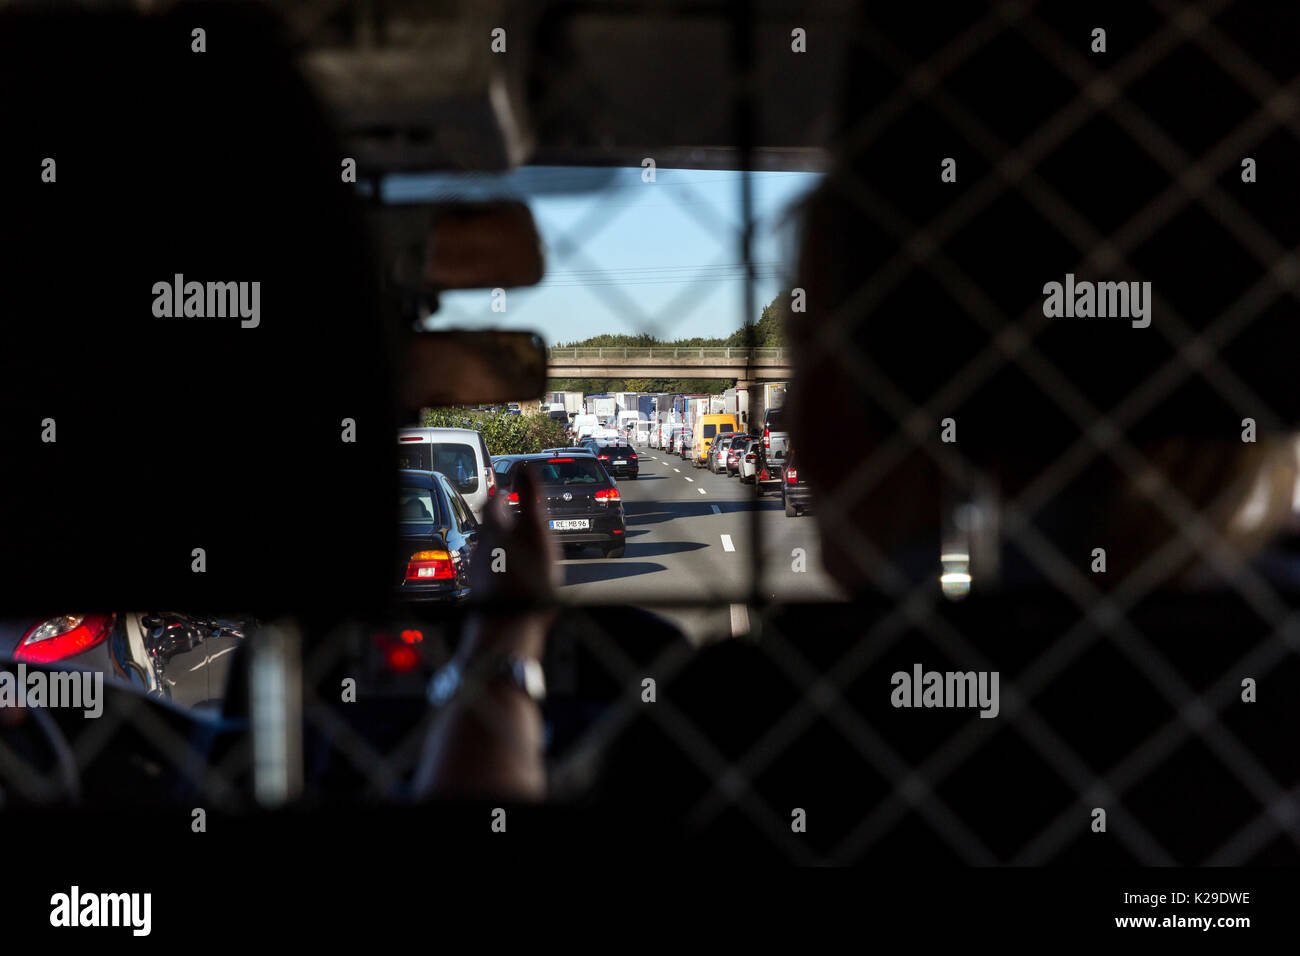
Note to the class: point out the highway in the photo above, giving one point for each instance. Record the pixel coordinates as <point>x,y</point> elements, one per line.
<point>689,539</point>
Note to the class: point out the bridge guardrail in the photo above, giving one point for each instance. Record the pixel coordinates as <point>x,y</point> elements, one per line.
<point>670,352</point>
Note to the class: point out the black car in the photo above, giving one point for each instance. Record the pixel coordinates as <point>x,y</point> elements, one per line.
<point>769,473</point>
<point>794,491</point>
<point>619,459</point>
<point>438,536</point>
<point>580,501</point>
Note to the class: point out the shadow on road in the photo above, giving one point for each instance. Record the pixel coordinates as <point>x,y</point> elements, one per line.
<point>585,572</point>
<point>658,549</point>
<point>688,509</point>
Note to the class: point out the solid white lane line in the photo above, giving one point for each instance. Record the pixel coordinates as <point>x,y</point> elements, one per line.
<point>726,543</point>
<point>716,509</point>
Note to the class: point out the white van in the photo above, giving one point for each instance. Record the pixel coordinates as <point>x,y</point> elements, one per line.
<point>641,433</point>
<point>458,453</point>
<point>584,425</point>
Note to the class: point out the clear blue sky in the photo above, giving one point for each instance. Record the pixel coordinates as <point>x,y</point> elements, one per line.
<point>626,256</point>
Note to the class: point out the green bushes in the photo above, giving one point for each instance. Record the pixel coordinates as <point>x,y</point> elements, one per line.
<point>504,434</point>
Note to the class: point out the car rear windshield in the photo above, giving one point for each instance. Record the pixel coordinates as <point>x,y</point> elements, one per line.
<point>775,420</point>
<point>453,459</point>
<point>617,451</point>
<point>417,506</point>
<point>567,471</point>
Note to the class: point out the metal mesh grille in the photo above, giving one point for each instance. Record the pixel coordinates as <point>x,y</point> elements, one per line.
<point>1172,714</point>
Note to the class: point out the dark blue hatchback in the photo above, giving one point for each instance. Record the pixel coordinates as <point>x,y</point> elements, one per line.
<point>437,538</point>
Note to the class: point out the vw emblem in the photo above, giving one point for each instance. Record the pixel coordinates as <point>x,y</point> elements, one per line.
<point>568,496</point>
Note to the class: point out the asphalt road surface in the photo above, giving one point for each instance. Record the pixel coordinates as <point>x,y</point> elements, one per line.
<point>689,539</point>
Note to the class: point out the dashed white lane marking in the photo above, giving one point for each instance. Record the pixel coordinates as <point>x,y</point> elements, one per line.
<point>716,509</point>
<point>678,470</point>
<point>702,491</point>
<point>690,479</point>
<point>726,543</point>
<point>739,620</point>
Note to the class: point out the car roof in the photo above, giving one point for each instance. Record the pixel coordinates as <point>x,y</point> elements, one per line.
<point>531,456</point>
<point>421,479</point>
<point>431,434</point>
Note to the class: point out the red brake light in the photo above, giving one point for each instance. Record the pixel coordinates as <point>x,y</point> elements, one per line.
<point>764,474</point>
<point>603,457</point>
<point>61,637</point>
<point>514,498</point>
<point>402,659</point>
<point>409,438</point>
<point>608,494</point>
<point>430,566</point>
<point>552,460</point>
<point>791,477</point>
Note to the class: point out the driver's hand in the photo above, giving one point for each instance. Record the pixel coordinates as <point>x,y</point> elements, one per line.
<point>514,573</point>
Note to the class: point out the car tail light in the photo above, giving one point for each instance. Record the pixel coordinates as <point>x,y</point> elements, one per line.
<point>608,494</point>
<point>632,455</point>
<point>791,477</point>
<point>60,637</point>
<point>603,457</point>
<point>513,498</point>
<point>749,456</point>
<point>763,474</point>
<point>767,433</point>
<point>430,566</point>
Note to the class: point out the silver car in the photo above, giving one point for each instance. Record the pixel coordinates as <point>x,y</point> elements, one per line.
<point>459,453</point>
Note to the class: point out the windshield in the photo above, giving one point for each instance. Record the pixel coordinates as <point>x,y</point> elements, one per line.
<point>566,471</point>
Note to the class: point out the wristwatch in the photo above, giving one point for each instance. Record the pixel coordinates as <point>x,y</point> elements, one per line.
<point>524,672</point>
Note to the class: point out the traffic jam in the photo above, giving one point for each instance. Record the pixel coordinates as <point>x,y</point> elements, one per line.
<point>630,473</point>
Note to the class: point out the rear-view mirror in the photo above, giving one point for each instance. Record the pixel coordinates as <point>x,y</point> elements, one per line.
<point>463,367</point>
<point>459,245</point>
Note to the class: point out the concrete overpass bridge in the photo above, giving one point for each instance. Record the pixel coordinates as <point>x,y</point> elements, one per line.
<point>745,366</point>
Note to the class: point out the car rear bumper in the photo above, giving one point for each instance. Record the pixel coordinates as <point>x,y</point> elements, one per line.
<point>798,495</point>
<point>605,529</point>
<point>432,592</point>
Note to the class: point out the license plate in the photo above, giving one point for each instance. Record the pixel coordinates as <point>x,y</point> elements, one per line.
<point>571,524</point>
<point>620,461</point>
